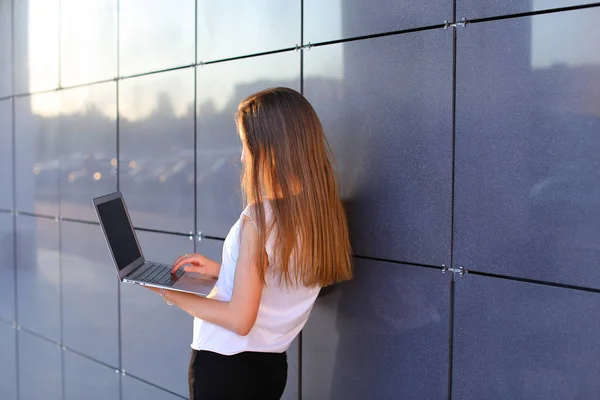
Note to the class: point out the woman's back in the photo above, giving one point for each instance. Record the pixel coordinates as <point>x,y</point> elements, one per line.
<point>291,241</point>
<point>283,310</point>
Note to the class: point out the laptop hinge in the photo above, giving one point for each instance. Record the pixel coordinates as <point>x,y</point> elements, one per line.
<point>131,267</point>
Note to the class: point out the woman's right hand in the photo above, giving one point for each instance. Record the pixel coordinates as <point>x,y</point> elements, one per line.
<point>197,263</point>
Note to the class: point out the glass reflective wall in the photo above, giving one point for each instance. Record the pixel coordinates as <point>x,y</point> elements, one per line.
<point>467,154</point>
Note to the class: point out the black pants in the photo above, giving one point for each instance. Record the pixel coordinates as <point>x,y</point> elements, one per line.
<point>243,376</point>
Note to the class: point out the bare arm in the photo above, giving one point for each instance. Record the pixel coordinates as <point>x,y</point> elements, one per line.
<point>238,314</point>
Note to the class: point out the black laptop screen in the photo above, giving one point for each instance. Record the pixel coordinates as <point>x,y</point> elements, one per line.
<point>120,236</point>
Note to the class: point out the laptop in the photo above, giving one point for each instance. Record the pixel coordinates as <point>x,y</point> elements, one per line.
<point>127,255</point>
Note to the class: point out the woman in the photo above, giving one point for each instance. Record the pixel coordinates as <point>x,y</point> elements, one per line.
<point>290,241</point>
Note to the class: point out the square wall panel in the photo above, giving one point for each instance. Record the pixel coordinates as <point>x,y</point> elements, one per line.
<point>38,276</point>
<point>265,25</point>
<point>37,164</point>
<point>527,180</point>
<point>471,9</point>
<point>5,48</point>
<point>151,330</point>
<point>40,368</point>
<point>87,379</point>
<point>88,148</point>
<point>6,154</point>
<point>516,340</point>
<point>134,389</point>
<point>382,335</point>
<point>90,293</point>
<point>386,108</point>
<point>7,268</point>
<point>8,362</point>
<point>36,45</point>
<point>333,20</point>
<point>88,41</point>
<point>220,88</point>
<point>155,35</point>
<point>156,156</point>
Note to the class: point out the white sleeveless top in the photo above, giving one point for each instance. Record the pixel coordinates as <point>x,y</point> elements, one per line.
<point>282,312</point>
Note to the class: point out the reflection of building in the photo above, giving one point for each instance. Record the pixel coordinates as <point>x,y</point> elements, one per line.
<point>579,97</point>
<point>26,134</point>
<point>21,80</point>
<point>21,43</point>
<point>5,48</point>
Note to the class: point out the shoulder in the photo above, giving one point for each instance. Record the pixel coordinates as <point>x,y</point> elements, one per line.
<point>251,210</point>
<point>250,215</point>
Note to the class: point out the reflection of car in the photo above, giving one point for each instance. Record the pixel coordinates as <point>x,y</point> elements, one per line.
<point>103,167</point>
<point>153,182</point>
<point>77,175</point>
<point>46,167</point>
<point>45,176</point>
<point>82,174</point>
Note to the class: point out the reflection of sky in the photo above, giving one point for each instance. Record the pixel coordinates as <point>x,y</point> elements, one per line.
<point>154,37</point>
<point>46,104</point>
<point>217,83</point>
<point>43,43</point>
<point>88,41</point>
<point>171,92</point>
<point>230,28</point>
<point>165,37</point>
<point>558,38</point>
<point>98,98</point>
<point>322,20</point>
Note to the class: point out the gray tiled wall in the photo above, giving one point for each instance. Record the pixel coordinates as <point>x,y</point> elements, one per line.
<point>470,146</point>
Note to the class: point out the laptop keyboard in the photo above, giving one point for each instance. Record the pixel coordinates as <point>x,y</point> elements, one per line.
<point>159,274</point>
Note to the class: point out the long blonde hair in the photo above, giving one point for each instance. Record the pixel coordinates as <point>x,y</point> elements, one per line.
<point>288,163</point>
